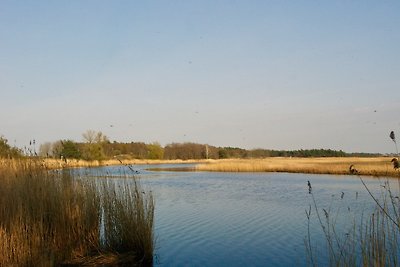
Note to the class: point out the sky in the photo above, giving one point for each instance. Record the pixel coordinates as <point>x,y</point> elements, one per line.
<point>252,74</point>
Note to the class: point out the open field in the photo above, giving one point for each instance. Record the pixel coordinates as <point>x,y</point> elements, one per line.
<point>381,166</point>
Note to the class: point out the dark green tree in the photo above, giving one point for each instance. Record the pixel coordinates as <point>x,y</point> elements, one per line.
<point>6,151</point>
<point>70,149</point>
<point>155,151</point>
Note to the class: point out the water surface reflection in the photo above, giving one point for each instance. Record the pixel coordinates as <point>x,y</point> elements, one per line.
<point>238,219</point>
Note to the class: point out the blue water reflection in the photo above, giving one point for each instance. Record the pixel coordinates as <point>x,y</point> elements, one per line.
<point>245,219</point>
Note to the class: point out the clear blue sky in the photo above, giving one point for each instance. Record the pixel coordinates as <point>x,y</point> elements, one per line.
<point>252,74</point>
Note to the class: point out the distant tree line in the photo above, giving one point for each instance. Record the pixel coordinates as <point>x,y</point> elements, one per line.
<point>97,146</point>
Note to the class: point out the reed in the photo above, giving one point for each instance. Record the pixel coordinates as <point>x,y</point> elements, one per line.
<point>372,240</point>
<point>128,221</point>
<point>78,163</point>
<point>381,166</point>
<point>50,218</point>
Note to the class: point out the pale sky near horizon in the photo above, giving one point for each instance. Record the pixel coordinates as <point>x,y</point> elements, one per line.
<point>251,74</point>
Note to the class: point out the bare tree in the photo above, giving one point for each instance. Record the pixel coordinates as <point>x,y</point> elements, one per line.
<point>101,138</point>
<point>45,150</point>
<point>94,147</point>
<point>56,149</point>
<point>89,136</point>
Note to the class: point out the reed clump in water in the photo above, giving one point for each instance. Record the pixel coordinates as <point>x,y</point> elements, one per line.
<point>128,214</point>
<point>50,218</point>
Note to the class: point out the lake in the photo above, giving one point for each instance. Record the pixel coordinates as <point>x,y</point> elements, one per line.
<point>239,219</point>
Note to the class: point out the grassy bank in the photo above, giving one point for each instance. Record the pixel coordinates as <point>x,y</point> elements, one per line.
<point>52,219</point>
<point>365,166</point>
<point>378,166</point>
<point>75,163</point>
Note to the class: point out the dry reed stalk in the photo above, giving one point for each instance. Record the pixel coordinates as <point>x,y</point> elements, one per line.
<point>48,218</point>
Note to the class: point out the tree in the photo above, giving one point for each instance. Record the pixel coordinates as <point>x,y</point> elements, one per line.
<point>56,149</point>
<point>6,151</point>
<point>155,151</point>
<point>189,151</point>
<point>93,152</point>
<point>91,137</point>
<point>70,149</point>
<point>222,153</point>
<point>94,147</point>
<point>45,150</point>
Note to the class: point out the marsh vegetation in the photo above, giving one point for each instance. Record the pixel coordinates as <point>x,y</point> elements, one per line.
<point>51,218</point>
<point>380,166</point>
<point>369,239</point>
<point>372,240</point>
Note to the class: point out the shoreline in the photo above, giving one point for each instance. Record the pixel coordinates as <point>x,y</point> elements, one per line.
<point>377,166</point>
<point>77,163</point>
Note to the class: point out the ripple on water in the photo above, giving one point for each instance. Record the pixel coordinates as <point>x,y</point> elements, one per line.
<point>226,229</point>
<point>230,219</point>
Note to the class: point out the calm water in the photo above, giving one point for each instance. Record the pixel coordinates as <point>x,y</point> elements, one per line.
<point>238,219</point>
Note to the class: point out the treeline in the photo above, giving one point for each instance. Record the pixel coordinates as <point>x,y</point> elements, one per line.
<point>303,153</point>
<point>97,146</point>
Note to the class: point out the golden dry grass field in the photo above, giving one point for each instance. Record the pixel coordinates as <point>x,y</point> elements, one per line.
<point>75,163</point>
<point>380,166</point>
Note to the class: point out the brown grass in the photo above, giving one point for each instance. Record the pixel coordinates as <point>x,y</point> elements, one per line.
<point>75,163</point>
<point>365,166</point>
<point>49,218</point>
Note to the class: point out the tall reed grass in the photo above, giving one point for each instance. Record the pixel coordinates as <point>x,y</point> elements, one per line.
<point>372,240</point>
<point>50,218</point>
